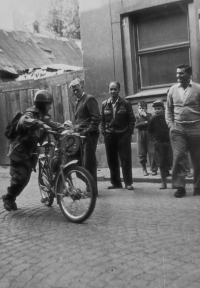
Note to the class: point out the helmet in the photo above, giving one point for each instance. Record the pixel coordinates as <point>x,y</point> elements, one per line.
<point>43,96</point>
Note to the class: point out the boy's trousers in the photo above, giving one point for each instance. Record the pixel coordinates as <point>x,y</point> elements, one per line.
<point>146,147</point>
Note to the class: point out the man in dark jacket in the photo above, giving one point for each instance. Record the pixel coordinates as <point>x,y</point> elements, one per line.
<point>87,120</point>
<point>23,148</point>
<point>117,125</point>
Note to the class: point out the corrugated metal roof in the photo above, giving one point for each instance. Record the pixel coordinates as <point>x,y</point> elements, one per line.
<point>21,50</point>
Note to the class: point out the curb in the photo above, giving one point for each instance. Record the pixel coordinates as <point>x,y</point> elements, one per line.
<point>145,180</point>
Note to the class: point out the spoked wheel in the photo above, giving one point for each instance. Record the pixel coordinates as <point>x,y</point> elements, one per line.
<point>45,188</point>
<point>78,200</point>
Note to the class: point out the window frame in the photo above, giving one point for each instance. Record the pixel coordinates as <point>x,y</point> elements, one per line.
<point>136,52</point>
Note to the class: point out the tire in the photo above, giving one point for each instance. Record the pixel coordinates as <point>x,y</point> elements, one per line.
<point>45,189</point>
<point>78,206</point>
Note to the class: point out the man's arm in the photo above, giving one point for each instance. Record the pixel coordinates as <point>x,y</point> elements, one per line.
<point>103,128</point>
<point>54,125</point>
<point>28,122</point>
<point>94,113</point>
<point>131,116</point>
<point>169,112</point>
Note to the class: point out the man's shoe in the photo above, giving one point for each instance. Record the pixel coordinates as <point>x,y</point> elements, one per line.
<point>8,204</point>
<point>145,173</point>
<point>129,187</point>
<point>163,186</point>
<point>189,175</point>
<point>14,206</point>
<point>180,192</point>
<point>115,187</point>
<point>167,173</point>
<point>196,192</point>
<point>154,173</point>
<point>44,200</point>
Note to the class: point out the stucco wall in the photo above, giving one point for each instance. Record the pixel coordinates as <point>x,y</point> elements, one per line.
<point>105,58</point>
<point>101,46</point>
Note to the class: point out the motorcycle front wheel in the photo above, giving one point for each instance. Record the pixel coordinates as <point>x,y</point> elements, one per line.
<point>44,186</point>
<point>77,194</point>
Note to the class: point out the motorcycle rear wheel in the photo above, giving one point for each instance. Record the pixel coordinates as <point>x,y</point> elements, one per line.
<point>78,200</point>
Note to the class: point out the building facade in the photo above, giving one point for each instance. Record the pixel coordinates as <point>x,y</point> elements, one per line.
<point>138,43</point>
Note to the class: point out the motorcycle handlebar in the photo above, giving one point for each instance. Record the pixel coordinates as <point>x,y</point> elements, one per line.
<point>52,132</point>
<point>59,134</point>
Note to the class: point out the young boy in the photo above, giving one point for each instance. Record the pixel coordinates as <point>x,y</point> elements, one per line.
<point>159,134</point>
<point>145,145</point>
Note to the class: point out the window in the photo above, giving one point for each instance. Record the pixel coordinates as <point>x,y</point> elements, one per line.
<point>36,28</point>
<point>162,44</point>
<point>47,51</point>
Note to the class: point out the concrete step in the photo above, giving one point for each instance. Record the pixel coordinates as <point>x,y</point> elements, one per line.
<point>103,174</point>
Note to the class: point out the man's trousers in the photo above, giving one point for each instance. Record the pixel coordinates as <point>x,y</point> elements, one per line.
<point>184,138</point>
<point>20,175</point>
<point>118,146</point>
<point>89,154</point>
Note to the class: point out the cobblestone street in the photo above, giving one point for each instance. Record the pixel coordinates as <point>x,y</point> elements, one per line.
<point>143,239</point>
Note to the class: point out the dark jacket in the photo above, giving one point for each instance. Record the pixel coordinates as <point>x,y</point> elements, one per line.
<point>158,129</point>
<point>87,115</point>
<point>24,146</point>
<point>124,118</point>
<point>140,122</point>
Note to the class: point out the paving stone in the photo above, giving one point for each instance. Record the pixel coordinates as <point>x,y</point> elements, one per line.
<point>146,239</point>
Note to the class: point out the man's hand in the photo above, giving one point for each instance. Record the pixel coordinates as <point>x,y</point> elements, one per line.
<point>46,127</point>
<point>47,119</point>
<point>84,132</point>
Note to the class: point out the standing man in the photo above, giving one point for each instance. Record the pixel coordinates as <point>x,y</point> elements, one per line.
<point>117,125</point>
<point>87,120</point>
<point>183,119</point>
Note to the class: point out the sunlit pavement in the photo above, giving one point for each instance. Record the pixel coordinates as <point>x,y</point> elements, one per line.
<point>144,238</point>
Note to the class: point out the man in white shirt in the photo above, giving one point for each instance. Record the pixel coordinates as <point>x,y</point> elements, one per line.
<point>183,118</point>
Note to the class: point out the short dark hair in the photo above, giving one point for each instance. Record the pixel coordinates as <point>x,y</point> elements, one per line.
<point>116,83</point>
<point>142,103</point>
<point>186,67</point>
<point>158,103</point>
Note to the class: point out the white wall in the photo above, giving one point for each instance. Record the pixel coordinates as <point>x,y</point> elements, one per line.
<point>6,15</point>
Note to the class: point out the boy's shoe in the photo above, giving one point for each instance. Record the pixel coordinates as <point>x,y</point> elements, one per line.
<point>163,186</point>
<point>129,187</point>
<point>180,192</point>
<point>145,173</point>
<point>154,173</point>
<point>8,204</point>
